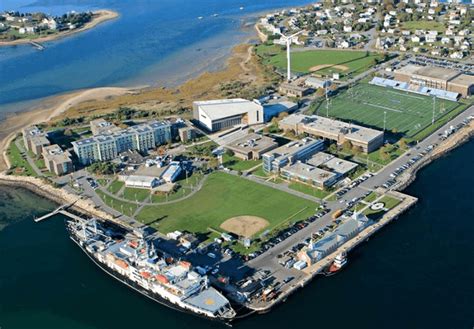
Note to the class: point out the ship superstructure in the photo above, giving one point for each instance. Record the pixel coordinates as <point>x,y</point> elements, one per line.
<point>135,262</point>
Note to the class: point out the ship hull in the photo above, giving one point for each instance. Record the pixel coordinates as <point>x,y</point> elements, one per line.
<point>136,287</point>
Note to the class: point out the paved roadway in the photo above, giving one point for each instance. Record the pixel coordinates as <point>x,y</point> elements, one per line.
<point>268,259</point>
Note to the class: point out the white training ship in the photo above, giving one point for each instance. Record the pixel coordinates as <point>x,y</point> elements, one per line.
<point>135,262</point>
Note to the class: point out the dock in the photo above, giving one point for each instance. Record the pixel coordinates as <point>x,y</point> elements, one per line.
<point>37,45</point>
<point>59,210</point>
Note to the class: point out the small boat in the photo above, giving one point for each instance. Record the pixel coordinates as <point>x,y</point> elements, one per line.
<point>241,8</point>
<point>200,17</point>
<point>339,262</point>
<point>215,15</point>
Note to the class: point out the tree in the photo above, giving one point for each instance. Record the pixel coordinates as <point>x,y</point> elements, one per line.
<point>356,149</point>
<point>384,155</point>
<point>251,131</point>
<point>229,152</point>
<point>403,144</point>
<point>347,146</point>
<point>282,115</point>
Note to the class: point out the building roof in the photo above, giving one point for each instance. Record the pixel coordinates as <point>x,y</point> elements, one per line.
<point>252,142</point>
<point>434,72</point>
<point>140,180</point>
<point>293,147</point>
<point>56,154</point>
<point>336,127</point>
<point>340,166</point>
<point>463,80</point>
<point>309,172</point>
<point>276,108</point>
<point>319,159</point>
<point>224,108</point>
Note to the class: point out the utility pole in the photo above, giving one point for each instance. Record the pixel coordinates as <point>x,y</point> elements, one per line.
<point>434,107</point>
<point>384,119</point>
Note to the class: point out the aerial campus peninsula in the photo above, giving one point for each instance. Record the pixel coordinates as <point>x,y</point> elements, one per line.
<point>226,205</point>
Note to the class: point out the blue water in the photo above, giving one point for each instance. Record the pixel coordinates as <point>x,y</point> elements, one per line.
<point>153,42</point>
<point>416,273</point>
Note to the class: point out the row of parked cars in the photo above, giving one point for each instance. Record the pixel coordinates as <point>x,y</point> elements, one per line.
<point>397,172</point>
<point>285,234</point>
<point>353,184</point>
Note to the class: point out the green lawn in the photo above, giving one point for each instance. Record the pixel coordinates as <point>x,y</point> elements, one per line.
<point>19,164</point>
<point>260,172</point>
<point>136,194</point>
<point>127,208</point>
<point>306,189</point>
<point>406,113</point>
<point>340,61</point>
<point>389,202</point>
<point>438,123</point>
<point>371,197</point>
<point>423,25</point>
<point>224,196</point>
<point>234,163</point>
<point>115,186</point>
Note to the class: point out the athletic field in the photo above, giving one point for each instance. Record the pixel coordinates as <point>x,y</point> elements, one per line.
<point>406,113</point>
<point>324,62</point>
<point>223,197</point>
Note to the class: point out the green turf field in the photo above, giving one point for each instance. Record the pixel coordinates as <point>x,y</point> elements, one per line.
<point>406,113</point>
<point>339,61</point>
<point>224,196</point>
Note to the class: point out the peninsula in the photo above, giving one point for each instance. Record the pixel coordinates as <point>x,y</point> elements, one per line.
<point>22,28</point>
<point>225,195</point>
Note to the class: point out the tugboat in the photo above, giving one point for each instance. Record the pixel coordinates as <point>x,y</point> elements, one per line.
<point>339,262</point>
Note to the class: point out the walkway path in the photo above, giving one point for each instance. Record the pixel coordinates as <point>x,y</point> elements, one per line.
<point>149,203</point>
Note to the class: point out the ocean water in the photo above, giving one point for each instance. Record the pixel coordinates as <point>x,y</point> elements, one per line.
<point>153,42</point>
<point>415,273</point>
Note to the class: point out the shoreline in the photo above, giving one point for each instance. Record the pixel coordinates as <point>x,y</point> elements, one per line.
<point>104,15</point>
<point>86,207</point>
<point>51,108</point>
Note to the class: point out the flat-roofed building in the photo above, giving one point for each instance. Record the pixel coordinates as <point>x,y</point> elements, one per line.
<point>172,172</point>
<point>317,83</point>
<point>340,167</point>
<point>215,115</point>
<point>290,153</point>
<point>106,147</point>
<point>437,77</point>
<point>252,146</point>
<point>138,181</point>
<point>102,126</point>
<point>35,139</point>
<point>56,160</point>
<point>293,90</point>
<point>187,134</point>
<point>309,174</point>
<point>366,138</point>
<point>271,110</point>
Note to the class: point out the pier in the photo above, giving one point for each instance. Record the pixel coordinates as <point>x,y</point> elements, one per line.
<point>59,210</point>
<point>37,45</point>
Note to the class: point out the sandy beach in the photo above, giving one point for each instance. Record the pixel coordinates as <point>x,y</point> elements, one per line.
<point>100,16</point>
<point>48,110</point>
<point>241,66</point>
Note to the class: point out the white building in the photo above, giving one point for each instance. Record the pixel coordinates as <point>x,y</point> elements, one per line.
<point>141,181</point>
<point>220,114</point>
